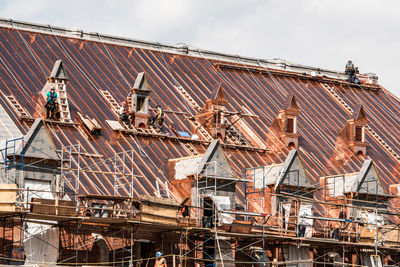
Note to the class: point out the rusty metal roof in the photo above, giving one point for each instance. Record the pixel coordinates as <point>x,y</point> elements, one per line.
<point>28,55</point>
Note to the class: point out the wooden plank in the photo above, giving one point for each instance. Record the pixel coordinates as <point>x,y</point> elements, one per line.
<point>47,207</point>
<point>8,197</point>
<point>159,210</point>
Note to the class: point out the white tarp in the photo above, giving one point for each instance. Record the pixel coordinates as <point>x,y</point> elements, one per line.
<point>371,218</point>
<point>268,174</point>
<point>186,167</point>
<point>306,211</point>
<point>286,210</point>
<point>297,257</point>
<point>223,203</point>
<point>339,185</point>
<point>42,247</point>
<point>41,241</point>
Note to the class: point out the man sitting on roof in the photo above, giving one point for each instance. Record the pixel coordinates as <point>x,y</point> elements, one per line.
<point>158,119</point>
<point>351,71</point>
<point>51,104</point>
<point>123,115</point>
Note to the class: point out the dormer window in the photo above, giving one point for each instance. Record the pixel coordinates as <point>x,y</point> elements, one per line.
<point>359,133</point>
<point>141,105</point>
<point>354,132</point>
<point>290,127</point>
<point>212,115</point>
<point>138,102</point>
<point>285,125</point>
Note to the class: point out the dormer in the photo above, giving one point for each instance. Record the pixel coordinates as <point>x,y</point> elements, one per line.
<point>36,155</point>
<point>58,79</point>
<point>138,102</point>
<point>272,189</point>
<point>363,189</point>
<point>212,115</point>
<point>204,176</point>
<point>354,131</point>
<point>285,125</point>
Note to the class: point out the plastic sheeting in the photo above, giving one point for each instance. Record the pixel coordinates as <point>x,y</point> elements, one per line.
<point>297,257</point>
<point>223,203</point>
<point>41,241</point>
<point>42,247</point>
<point>187,166</point>
<point>371,218</point>
<point>305,211</point>
<point>286,209</point>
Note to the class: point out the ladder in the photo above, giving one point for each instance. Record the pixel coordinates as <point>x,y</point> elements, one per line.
<point>187,97</point>
<point>111,100</point>
<point>65,115</point>
<point>374,134</point>
<point>189,148</point>
<point>234,137</point>
<point>16,106</point>
<point>206,135</point>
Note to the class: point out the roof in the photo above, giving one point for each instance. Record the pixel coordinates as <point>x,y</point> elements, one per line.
<point>181,83</point>
<point>366,181</point>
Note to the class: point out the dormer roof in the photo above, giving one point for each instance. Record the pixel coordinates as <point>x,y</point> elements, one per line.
<point>218,94</point>
<point>359,113</point>
<point>37,143</point>
<point>290,103</point>
<point>141,83</point>
<point>58,71</point>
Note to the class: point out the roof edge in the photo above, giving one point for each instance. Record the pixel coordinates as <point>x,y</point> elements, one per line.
<point>181,48</point>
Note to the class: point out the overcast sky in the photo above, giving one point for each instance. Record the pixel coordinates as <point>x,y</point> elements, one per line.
<point>319,33</point>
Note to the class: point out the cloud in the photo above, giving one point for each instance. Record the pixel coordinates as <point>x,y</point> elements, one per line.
<point>313,32</point>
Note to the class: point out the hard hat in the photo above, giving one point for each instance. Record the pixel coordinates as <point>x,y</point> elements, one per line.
<point>158,254</point>
<point>350,61</point>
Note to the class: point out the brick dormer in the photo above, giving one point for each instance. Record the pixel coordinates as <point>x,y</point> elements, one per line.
<point>212,115</point>
<point>285,125</point>
<point>138,102</point>
<point>354,131</point>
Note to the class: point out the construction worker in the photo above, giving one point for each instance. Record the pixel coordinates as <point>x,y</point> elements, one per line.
<point>350,71</point>
<point>160,261</point>
<point>51,104</point>
<point>123,115</point>
<point>158,118</point>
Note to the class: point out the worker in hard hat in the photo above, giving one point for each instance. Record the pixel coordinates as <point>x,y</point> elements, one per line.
<point>160,261</point>
<point>51,103</point>
<point>350,71</point>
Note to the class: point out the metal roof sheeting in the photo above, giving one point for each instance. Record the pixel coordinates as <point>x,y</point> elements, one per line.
<point>91,69</point>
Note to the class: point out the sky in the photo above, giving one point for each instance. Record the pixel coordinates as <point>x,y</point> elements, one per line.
<point>319,33</point>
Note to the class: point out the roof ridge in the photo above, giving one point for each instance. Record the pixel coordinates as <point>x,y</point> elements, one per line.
<point>180,48</point>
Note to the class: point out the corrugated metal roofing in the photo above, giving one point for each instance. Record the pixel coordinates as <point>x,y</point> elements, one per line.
<point>93,66</point>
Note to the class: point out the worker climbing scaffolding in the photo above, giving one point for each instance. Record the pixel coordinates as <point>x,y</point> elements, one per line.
<point>51,104</point>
